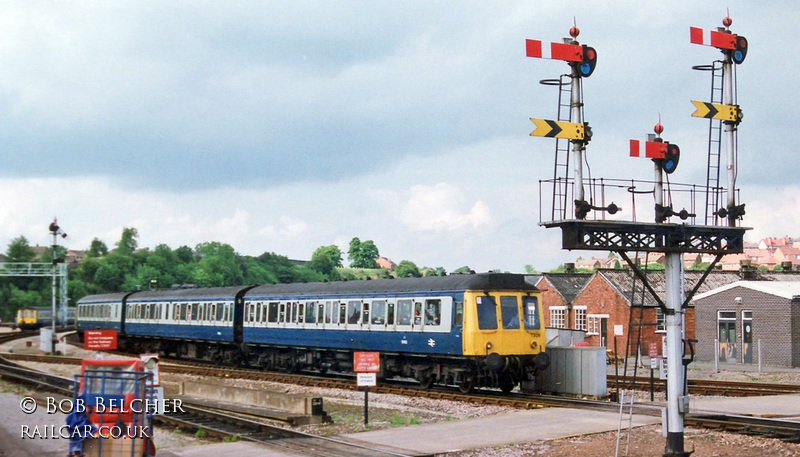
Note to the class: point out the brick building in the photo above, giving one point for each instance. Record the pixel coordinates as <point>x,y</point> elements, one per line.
<point>614,308</point>
<point>732,319</point>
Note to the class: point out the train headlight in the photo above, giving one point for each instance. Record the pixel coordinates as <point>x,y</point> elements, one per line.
<point>488,345</point>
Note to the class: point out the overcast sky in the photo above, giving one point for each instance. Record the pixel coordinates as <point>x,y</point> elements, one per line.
<point>285,126</point>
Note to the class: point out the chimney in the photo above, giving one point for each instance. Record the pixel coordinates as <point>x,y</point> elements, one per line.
<point>746,270</point>
<point>786,265</point>
<point>569,267</point>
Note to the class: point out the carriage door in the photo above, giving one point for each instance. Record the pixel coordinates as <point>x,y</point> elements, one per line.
<point>727,336</point>
<point>747,336</point>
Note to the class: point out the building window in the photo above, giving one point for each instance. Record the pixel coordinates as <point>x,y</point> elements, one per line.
<point>661,322</point>
<point>557,316</point>
<point>580,318</point>
<point>595,324</point>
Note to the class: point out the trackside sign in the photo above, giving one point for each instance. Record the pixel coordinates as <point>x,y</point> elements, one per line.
<point>100,340</point>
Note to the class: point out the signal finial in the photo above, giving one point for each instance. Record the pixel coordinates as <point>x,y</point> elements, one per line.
<point>727,21</point>
<point>574,31</point>
<point>658,128</point>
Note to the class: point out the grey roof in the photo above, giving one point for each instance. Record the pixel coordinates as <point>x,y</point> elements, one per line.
<point>484,281</point>
<point>630,288</point>
<point>568,285</point>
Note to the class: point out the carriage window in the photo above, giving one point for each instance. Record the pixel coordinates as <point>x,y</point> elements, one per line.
<point>311,310</point>
<point>300,312</point>
<point>530,306</point>
<point>251,313</point>
<point>220,312</point>
<point>342,312</point>
<point>183,311</point>
<point>390,314</point>
<point>379,312</point>
<point>458,319</point>
<point>353,311</point>
<point>282,312</point>
<point>293,318</point>
<point>404,312</point>
<point>320,312</point>
<point>201,311</point>
<point>147,309</point>
<point>487,312</point>
<point>212,311</point>
<point>417,313</point>
<point>433,312</point>
<point>509,312</point>
<point>365,314</point>
<point>273,312</point>
<point>189,312</point>
<point>264,309</point>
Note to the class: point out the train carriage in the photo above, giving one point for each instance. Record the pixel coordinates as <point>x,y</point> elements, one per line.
<point>466,330</point>
<point>201,323</point>
<point>101,312</point>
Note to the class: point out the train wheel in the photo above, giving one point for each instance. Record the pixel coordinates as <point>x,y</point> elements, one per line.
<point>426,382</point>
<point>466,385</point>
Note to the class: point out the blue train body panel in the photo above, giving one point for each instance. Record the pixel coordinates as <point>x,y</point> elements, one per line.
<point>161,329</point>
<point>359,340</point>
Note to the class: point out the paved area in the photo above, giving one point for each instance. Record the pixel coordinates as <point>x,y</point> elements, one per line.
<point>516,427</point>
<point>773,406</point>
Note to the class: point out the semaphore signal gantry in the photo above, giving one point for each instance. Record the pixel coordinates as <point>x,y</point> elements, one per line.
<point>583,207</point>
<point>587,226</point>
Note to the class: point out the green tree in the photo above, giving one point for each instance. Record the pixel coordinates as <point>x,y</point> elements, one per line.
<point>217,266</point>
<point>325,260</point>
<point>429,271</point>
<point>20,251</point>
<point>362,254</point>
<point>97,249</point>
<point>128,241</point>
<point>407,269</point>
<point>529,269</point>
<point>465,270</point>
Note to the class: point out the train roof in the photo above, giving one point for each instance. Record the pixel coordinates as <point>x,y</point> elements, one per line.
<point>103,298</point>
<point>208,293</point>
<point>483,281</point>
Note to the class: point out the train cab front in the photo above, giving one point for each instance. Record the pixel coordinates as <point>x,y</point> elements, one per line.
<point>504,333</point>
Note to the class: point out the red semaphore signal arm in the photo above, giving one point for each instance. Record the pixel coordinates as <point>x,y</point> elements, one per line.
<point>720,40</point>
<point>555,51</point>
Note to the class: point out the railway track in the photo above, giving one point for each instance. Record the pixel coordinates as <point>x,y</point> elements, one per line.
<point>214,421</point>
<point>710,387</point>
<point>219,423</point>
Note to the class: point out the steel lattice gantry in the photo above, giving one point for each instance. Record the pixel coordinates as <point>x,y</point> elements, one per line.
<point>21,269</point>
<point>598,235</point>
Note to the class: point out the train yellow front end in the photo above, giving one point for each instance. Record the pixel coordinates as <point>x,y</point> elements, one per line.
<point>505,330</point>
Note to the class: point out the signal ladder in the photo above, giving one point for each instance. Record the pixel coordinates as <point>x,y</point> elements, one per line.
<point>561,204</point>
<point>713,190</point>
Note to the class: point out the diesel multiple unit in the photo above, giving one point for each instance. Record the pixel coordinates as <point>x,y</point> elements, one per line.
<point>479,330</point>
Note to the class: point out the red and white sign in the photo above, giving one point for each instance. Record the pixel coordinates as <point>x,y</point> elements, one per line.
<point>653,353</point>
<point>100,340</point>
<point>366,362</point>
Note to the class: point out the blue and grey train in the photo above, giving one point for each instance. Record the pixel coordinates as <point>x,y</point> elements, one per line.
<point>479,330</point>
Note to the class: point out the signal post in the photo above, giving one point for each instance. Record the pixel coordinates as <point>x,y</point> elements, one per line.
<point>589,229</point>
